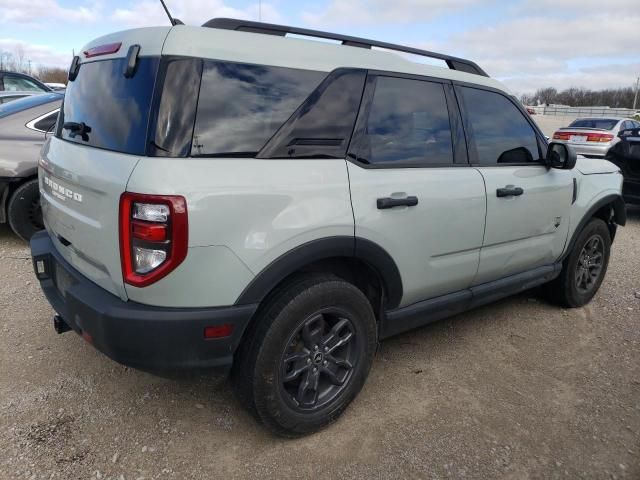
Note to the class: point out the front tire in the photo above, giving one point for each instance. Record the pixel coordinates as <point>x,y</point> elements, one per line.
<point>585,267</point>
<point>24,212</point>
<point>308,355</point>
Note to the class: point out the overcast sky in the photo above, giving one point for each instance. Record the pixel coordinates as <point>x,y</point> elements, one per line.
<point>526,43</point>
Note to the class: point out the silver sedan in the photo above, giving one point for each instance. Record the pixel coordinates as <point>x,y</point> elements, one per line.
<point>593,137</point>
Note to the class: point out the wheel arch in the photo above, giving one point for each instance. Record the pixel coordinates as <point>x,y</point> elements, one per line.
<point>610,208</point>
<point>355,258</point>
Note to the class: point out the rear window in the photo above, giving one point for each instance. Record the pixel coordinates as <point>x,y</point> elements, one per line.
<point>599,123</point>
<point>115,108</point>
<point>241,106</point>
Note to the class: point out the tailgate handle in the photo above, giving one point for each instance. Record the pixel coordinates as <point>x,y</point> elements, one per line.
<point>509,191</point>
<point>389,202</point>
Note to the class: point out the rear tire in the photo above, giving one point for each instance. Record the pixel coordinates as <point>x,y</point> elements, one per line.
<point>584,269</point>
<point>307,356</point>
<point>24,212</point>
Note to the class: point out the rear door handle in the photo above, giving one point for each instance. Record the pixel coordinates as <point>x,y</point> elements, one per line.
<point>388,202</point>
<point>509,191</point>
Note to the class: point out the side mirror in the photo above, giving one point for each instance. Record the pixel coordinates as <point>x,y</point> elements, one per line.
<point>561,156</point>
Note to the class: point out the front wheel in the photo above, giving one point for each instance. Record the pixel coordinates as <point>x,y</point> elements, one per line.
<point>585,267</point>
<point>308,355</point>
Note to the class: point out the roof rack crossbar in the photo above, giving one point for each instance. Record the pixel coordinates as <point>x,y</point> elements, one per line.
<point>454,63</point>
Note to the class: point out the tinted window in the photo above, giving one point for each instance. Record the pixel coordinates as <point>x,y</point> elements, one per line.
<point>500,131</point>
<point>45,124</point>
<point>241,106</point>
<point>408,123</point>
<point>323,124</point>
<point>176,113</point>
<point>16,84</point>
<point>599,123</point>
<point>116,108</point>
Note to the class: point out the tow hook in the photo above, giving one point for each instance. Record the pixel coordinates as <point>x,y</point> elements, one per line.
<point>59,325</point>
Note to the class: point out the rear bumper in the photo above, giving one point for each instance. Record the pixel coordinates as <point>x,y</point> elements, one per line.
<point>141,336</point>
<point>589,151</point>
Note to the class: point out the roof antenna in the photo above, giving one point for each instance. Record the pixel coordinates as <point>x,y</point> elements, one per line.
<point>174,21</point>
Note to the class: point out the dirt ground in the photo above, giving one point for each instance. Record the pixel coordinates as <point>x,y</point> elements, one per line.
<point>517,389</point>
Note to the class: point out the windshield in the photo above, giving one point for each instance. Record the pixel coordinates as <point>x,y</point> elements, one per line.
<point>28,102</point>
<point>104,109</point>
<point>599,123</point>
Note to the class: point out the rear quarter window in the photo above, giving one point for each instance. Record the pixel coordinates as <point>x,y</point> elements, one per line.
<point>241,106</point>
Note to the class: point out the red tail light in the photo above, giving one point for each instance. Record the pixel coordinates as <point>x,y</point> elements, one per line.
<point>591,137</point>
<point>105,49</point>
<point>599,137</point>
<point>561,136</point>
<point>153,236</point>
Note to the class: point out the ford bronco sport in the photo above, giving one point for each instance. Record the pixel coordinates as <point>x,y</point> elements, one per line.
<point>225,196</point>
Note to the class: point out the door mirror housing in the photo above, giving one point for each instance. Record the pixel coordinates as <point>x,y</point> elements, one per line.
<point>561,156</point>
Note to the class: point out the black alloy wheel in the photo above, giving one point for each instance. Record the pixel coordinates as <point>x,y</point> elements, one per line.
<point>319,359</point>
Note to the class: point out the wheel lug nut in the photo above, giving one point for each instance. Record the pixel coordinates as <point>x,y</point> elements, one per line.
<point>326,349</point>
<point>315,369</point>
<point>315,347</point>
<point>325,363</point>
<point>308,360</point>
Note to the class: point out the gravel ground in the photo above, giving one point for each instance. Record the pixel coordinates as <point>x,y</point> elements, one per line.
<point>517,389</point>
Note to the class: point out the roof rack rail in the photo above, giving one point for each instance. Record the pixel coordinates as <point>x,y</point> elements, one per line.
<point>454,63</point>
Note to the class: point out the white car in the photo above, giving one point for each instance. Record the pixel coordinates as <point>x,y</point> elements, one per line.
<point>226,196</point>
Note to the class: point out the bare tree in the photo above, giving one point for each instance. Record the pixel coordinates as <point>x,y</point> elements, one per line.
<point>582,97</point>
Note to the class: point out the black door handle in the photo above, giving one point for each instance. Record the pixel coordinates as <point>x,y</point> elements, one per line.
<point>388,202</point>
<point>509,191</point>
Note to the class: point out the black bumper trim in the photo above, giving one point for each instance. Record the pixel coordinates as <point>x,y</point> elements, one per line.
<point>141,336</point>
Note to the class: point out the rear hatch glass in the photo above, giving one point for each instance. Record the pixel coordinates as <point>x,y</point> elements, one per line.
<point>113,108</point>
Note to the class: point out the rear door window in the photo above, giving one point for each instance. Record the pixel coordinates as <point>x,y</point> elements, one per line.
<point>501,134</point>
<point>241,106</point>
<point>114,108</point>
<point>407,125</point>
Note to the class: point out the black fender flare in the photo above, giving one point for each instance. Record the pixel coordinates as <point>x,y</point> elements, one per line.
<point>619,217</point>
<point>325,248</point>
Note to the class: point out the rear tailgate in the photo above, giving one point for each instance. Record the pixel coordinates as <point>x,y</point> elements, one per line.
<point>101,136</point>
<point>80,189</point>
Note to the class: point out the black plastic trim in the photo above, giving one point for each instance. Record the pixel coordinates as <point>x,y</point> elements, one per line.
<point>428,311</point>
<point>454,63</point>
<point>619,216</point>
<point>322,138</point>
<point>142,336</point>
<point>321,249</point>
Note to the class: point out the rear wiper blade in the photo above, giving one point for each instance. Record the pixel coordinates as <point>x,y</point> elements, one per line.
<point>76,128</point>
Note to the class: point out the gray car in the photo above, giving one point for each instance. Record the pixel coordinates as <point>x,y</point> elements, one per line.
<point>593,137</point>
<point>23,126</point>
